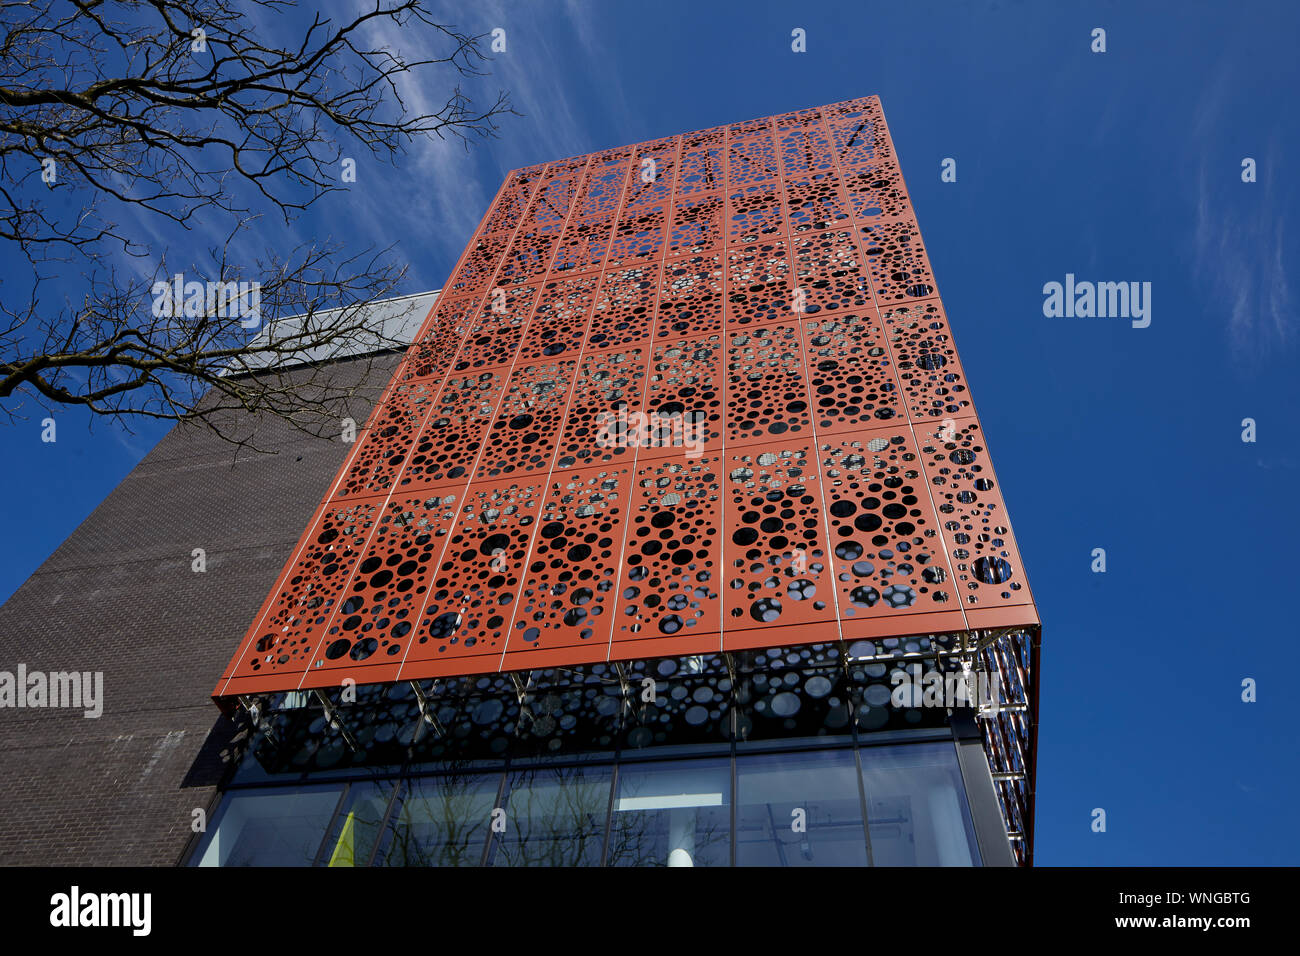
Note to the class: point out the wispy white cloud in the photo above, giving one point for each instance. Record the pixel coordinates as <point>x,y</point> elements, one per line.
<point>435,194</point>
<point>1240,238</point>
<point>1241,252</point>
<point>600,64</point>
<point>550,64</point>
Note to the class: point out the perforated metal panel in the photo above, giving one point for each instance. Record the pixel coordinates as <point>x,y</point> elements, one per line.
<point>670,589</point>
<point>686,396</point>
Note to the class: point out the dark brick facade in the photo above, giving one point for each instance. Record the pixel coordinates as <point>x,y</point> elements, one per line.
<point>119,596</point>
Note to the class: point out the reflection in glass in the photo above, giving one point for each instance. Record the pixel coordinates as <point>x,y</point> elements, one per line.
<point>799,809</point>
<point>554,817</point>
<point>441,821</point>
<point>280,827</point>
<point>352,838</point>
<point>792,807</point>
<point>916,806</point>
<point>672,814</point>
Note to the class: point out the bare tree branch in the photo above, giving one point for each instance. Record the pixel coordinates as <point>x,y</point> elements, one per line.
<point>120,119</point>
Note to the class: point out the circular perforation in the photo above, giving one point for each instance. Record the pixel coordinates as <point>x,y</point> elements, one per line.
<point>431,355</point>
<point>479,265</point>
<point>690,302</point>
<point>573,569</point>
<point>450,440</point>
<point>701,170</point>
<point>388,439</point>
<point>653,173</point>
<point>608,387</point>
<point>858,131</point>
<point>530,254</point>
<point>510,206</point>
<point>584,244</point>
<point>754,214</point>
<point>827,274</point>
<point>603,190</point>
<point>713,136</point>
<point>640,234</point>
<point>767,396</point>
<point>876,192</point>
<point>759,289</point>
<point>624,306</point>
<point>554,197</point>
<point>312,590</point>
<point>698,224</point>
<point>974,519</point>
<point>897,262</point>
<point>815,204</point>
<point>496,332</point>
<point>751,160</point>
<point>670,575</point>
<point>806,151</point>
<point>799,119</point>
<point>470,600</point>
<point>776,559</point>
<point>528,422</point>
<point>887,551</point>
<point>388,589</point>
<point>849,373</point>
<point>684,386</point>
<point>928,367</point>
<point>559,323</point>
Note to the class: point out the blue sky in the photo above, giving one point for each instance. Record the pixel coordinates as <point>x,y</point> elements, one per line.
<point>1122,166</point>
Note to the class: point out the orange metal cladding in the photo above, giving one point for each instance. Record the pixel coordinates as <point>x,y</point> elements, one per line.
<point>693,395</point>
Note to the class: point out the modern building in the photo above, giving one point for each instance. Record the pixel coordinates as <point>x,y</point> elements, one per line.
<point>120,598</point>
<point>673,539</point>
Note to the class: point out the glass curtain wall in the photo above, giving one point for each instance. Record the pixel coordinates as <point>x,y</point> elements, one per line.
<point>883,805</point>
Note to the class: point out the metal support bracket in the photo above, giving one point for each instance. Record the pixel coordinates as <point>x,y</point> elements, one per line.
<point>426,711</point>
<point>253,706</point>
<point>335,721</point>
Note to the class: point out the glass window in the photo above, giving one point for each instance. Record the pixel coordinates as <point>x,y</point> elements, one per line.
<point>916,806</point>
<point>672,814</point>
<point>799,809</point>
<point>441,821</point>
<point>356,827</point>
<point>272,827</point>
<point>553,817</point>
<point>790,807</point>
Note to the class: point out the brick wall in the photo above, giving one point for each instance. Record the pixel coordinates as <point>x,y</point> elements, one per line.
<point>119,596</point>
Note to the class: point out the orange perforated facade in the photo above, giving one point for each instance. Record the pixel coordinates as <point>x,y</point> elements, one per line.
<point>690,396</point>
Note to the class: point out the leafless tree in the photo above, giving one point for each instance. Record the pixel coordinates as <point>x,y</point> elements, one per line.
<point>122,122</point>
